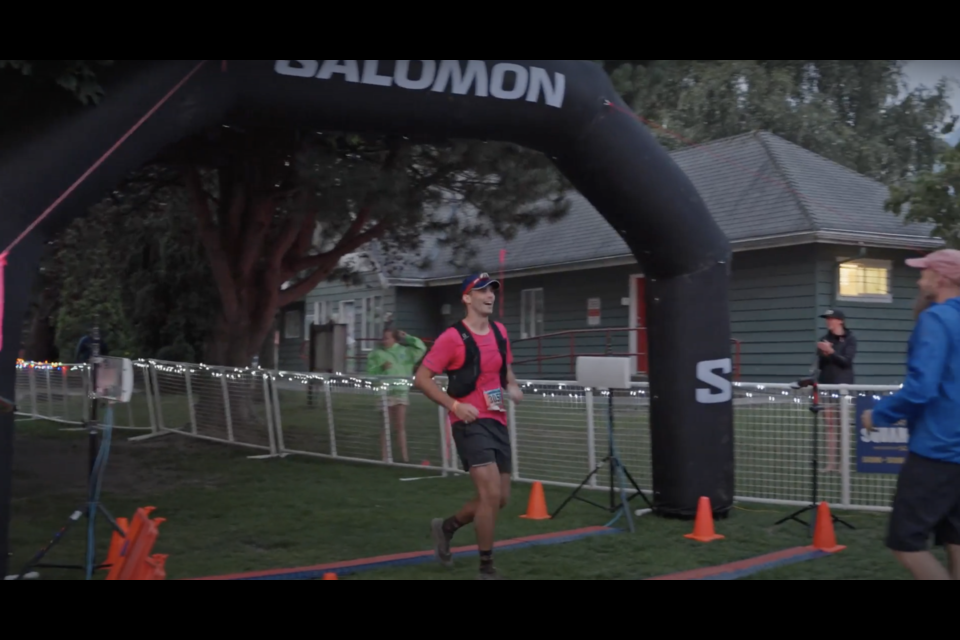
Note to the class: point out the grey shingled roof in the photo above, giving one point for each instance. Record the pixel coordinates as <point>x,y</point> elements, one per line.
<point>756,185</point>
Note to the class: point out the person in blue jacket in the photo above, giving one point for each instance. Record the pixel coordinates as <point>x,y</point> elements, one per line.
<point>927,501</point>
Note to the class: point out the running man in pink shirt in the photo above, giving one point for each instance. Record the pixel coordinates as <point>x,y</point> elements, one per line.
<point>475,355</point>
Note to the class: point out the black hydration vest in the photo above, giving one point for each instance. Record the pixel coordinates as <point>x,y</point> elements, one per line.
<point>463,381</point>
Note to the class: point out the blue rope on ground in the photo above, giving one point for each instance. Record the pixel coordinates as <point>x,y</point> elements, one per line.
<point>786,562</point>
<point>419,558</point>
<point>623,480</point>
<point>97,486</point>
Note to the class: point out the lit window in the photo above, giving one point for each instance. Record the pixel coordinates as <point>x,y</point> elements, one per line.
<point>865,281</point>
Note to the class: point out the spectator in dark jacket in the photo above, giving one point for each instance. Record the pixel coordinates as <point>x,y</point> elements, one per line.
<point>836,353</point>
<point>85,349</point>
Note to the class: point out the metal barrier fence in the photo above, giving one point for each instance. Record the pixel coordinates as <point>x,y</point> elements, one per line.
<point>559,431</point>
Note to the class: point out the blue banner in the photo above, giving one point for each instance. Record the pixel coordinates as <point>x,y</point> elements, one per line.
<point>883,450</point>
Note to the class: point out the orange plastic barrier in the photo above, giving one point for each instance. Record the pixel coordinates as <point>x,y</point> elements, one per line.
<point>133,560</point>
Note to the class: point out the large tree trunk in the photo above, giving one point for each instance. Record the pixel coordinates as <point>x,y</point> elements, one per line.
<point>41,339</point>
<point>255,245</point>
<point>234,342</point>
<point>238,338</point>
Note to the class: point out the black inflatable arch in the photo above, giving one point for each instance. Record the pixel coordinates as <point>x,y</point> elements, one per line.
<point>567,109</point>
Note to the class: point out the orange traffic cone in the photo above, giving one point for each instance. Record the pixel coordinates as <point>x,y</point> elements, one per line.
<point>330,576</point>
<point>703,530</point>
<point>537,507</point>
<point>824,536</point>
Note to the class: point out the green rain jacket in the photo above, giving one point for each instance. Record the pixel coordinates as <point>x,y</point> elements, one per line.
<point>402,358</point>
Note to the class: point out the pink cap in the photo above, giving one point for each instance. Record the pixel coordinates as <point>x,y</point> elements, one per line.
<point>946,262</point>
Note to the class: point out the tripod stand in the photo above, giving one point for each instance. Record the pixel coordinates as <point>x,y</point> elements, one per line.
<point>816,409</point>
<point>616,470</point>
<point>97,453</point>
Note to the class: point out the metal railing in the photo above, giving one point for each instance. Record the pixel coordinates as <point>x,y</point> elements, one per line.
<point>558,430</point>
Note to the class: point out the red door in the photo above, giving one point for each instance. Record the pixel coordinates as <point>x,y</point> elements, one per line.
<point>642,361</point>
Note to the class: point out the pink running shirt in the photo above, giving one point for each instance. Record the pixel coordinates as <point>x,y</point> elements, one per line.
<point>449,352</point>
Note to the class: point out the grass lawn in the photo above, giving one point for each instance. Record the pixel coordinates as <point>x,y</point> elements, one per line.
<point>227,514</point>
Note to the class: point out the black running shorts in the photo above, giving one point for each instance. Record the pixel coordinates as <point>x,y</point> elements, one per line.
<point>483,443</point>
<point>927,504</point>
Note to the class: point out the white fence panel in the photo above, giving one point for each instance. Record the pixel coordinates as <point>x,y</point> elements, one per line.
<point>559,430</point>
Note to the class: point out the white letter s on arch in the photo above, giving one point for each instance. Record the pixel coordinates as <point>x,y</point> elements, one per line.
<point>722,388</point>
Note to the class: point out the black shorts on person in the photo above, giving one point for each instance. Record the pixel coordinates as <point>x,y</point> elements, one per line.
<point>482,443</point>
<point>927,503</point>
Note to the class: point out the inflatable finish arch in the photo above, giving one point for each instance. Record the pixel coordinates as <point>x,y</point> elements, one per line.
<point>567,109</point>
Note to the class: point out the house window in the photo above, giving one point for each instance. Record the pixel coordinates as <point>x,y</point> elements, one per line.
<point>531,313</point>
<point>865,281</point>
<point>309,320</point>
<point>293,325</point>
<point>372,322</point>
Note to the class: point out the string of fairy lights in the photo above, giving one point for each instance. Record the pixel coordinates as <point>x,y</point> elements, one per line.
<point>348,382</point>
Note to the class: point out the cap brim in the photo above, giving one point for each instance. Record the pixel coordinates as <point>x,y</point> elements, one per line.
<point>489,284</point>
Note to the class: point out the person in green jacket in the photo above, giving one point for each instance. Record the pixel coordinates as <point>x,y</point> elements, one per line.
<point>396,357</point>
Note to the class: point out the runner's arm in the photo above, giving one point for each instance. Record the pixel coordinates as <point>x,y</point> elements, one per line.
<point>425,382</point>
<point>437,361</point>
<point>928,360</point>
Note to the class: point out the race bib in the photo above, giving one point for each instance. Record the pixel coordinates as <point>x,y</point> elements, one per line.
<point>494,400</point>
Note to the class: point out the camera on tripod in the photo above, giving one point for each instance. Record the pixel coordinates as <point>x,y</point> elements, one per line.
<point>804,383</point>
<point>815,408</point>
<point>114,379</point>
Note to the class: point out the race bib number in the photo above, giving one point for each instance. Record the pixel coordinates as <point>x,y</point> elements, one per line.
<point>494,400</point>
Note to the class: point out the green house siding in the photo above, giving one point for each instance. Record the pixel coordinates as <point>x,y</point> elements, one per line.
<point>565,299</point>
<point>883,328</point>
<point>327,298</point>
<point>772,303</point>
<point>418,311</point>
<point>776,297</point>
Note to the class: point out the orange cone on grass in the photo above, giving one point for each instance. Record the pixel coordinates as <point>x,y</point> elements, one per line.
<point>825,536</point>
<point>537,507</point>
<point>703,528</point>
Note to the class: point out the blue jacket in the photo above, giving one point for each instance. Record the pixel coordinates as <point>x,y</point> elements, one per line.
<point>930,398</point>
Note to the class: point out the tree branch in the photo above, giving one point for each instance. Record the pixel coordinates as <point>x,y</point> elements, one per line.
<point>233,202</point>
<point>354,238</point>
<point>219,261</point>
<point>325,264</point>
<point>254,235</point>
<point>288,236</point>
<point>305,239</point>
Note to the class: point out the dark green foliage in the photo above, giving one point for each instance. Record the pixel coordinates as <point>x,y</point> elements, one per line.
<point>933,197</point>
<point>850,111</point>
